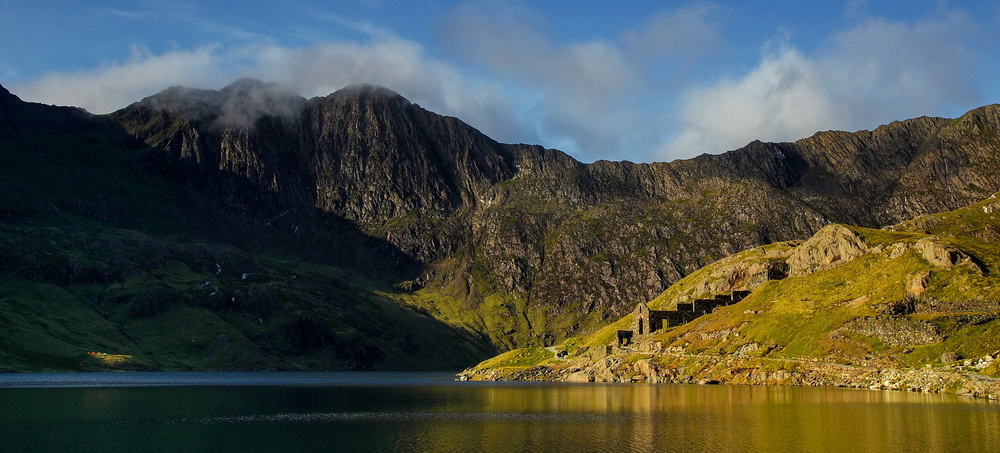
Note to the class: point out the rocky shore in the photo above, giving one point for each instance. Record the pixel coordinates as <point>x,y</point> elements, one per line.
<point>678,368</point>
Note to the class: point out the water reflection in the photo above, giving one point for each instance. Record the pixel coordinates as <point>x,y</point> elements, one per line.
<point>699,418</point>
<point>448,416</point>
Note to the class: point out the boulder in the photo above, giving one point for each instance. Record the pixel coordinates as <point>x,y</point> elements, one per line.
<point>828,248</point>
<point>949,357</point>
<point>916,284</point>
<point>649,369</point>
<point>993,206</point>
<point>579,376</point>
<point>940,255</point>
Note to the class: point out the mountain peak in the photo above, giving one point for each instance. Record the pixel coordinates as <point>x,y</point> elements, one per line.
<point>248,84</point>
<point>238,104</point>
<point>365,90</point>
<point>246,100</point>
<point>368,88</point>
<point>253,87</point>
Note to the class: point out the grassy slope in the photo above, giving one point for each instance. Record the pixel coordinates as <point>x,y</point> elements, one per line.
<point>182,305</point>
<point>816,316</point>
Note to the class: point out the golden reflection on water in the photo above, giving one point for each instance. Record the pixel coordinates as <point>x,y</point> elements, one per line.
<point>727,418</point>
<point>497,417</point>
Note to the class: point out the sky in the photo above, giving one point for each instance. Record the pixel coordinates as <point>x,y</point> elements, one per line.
<point>638,80</point>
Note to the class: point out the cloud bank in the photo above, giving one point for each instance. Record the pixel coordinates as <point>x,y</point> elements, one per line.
<point>317,70</point>
<point>876,72</point>
<point>653,92</point>
<point>114,85</point>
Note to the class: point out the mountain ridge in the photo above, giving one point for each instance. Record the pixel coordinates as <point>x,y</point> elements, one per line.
<point>420,180</point>
<point>514,244</point>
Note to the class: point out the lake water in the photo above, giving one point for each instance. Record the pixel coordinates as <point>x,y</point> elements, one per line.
<point>376,412</point>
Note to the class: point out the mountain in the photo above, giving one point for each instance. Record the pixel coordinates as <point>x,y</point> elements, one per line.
<point>913,306</point>
<point>526,244</point>
<point>107,263</point>
<point>503,245</point>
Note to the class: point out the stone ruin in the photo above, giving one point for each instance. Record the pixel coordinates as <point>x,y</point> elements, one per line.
<point>647,321</point>
<point>625,337</point>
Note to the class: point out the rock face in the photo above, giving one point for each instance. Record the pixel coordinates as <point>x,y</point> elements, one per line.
<point>830,247</point>
<point>941,256</point>
<point>430,199</point>
<point>992,206</point>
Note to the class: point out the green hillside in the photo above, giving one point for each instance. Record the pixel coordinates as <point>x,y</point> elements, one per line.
<point>922,296</point>
<point>183,305</point>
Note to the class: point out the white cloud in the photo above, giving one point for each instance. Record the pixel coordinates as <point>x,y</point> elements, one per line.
<point>691,32</point>
<point>783,98</point>
<point>874,73</point>
<point>312,71</point>
<point>890,68</point>
<point>115,85</point>
<point>594,96</point>
<point>395,63</point>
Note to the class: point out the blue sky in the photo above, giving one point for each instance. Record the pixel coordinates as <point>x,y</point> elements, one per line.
<point>638,80</point>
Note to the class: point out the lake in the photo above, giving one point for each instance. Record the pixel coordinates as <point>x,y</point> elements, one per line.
<point>375,412</point>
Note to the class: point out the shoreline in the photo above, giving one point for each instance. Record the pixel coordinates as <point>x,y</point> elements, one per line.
<point>677,368</point>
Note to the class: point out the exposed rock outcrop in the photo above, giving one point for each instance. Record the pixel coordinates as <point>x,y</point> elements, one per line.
<point>916,284</point>
<point>942,256</point>
<point>830,247</point>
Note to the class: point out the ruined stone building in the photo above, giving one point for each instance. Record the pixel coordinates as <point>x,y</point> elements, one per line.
<point>646,321</point>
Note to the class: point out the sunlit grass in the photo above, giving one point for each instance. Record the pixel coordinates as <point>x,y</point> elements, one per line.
<point>805,317</point>
<point>517,358</point>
